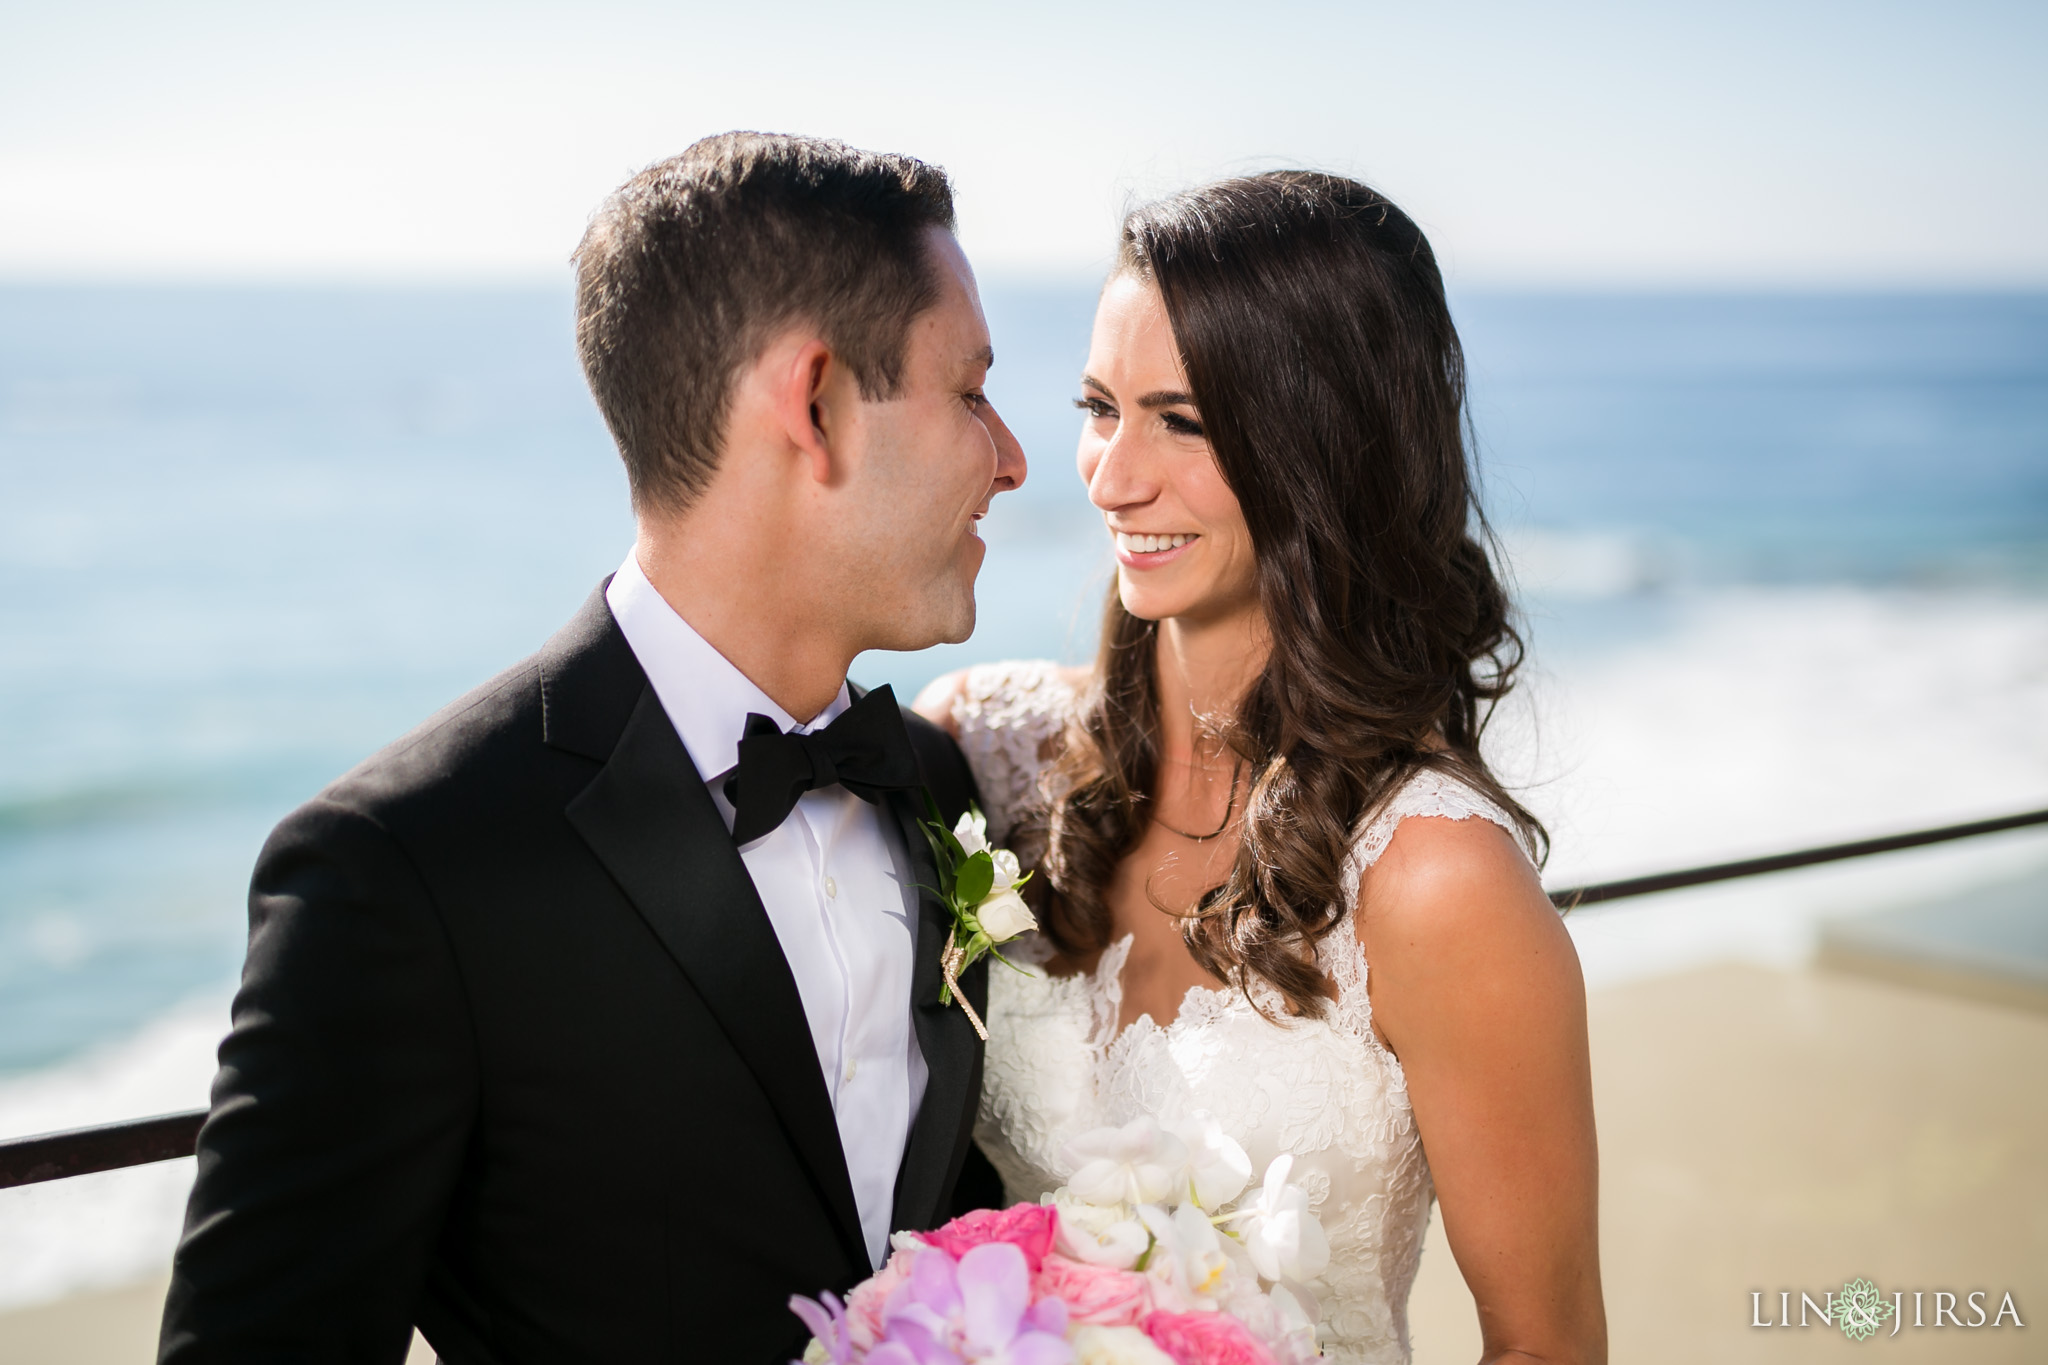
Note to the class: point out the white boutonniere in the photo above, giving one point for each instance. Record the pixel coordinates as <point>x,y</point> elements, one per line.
<point>978,885</point>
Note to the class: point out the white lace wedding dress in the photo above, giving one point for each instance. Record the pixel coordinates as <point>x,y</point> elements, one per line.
<point>1325,1090</point>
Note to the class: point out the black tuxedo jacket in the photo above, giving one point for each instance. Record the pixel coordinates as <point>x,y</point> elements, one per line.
<point>517,1058</point>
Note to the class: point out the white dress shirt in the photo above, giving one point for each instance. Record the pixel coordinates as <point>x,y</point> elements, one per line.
<point>831,878</point>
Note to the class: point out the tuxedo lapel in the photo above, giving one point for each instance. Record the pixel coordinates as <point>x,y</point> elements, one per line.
<point>650,820</point>
<point>952,1051</point>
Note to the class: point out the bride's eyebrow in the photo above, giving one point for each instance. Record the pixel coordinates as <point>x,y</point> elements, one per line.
<point>1163,398</point>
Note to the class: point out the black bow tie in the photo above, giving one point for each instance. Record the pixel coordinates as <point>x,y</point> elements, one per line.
<point>866,750</point>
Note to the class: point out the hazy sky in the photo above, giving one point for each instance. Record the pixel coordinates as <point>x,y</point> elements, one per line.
<point>1742,143</point>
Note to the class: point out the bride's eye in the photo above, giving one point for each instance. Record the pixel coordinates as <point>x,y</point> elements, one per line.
<point>1180,425</point>
<point>1095,407</point>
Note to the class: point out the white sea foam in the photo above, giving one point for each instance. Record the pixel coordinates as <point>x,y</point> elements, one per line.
<point>1583,564</point>
<point>1760,720</point>
<point>1769,720</point>
<point>116,1226</point>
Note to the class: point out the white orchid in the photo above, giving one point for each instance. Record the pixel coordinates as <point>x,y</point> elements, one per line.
<point>1097,1345</point>
<point>1218,1169</point>
<point>1284,1240</point>
<point>1296,1310</point>
<point>1284,1318</point>
<point>1097,1235</point>
<point>1139,1163</point>
<point>1187,1262</point>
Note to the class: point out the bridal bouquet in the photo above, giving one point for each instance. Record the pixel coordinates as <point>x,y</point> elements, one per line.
<point>1147,1256</point>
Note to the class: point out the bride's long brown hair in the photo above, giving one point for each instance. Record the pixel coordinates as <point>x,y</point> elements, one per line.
<point>1311,321</point>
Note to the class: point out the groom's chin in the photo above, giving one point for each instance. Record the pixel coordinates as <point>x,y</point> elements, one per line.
<point>940,619</point>
<point>952,611</point>
<point>959,624</point>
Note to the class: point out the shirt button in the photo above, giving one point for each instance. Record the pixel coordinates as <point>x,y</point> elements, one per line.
<point>831,888</point>
<point>851,1067</point>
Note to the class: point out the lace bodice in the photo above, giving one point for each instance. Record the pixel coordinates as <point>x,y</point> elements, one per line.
<point>1325,1090</point>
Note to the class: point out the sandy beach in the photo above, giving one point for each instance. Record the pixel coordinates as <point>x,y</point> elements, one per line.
<point>1768,1131</point>
<point>1761,1132</point>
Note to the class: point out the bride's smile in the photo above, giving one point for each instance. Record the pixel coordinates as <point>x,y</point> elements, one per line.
<point>1142,551</point>
<point>1182,548</point>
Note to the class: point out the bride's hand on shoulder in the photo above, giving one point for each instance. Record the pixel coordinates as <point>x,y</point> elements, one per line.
<point>1475,987</point>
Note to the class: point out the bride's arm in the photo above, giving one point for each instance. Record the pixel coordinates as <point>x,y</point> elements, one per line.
<point>1476,988</point>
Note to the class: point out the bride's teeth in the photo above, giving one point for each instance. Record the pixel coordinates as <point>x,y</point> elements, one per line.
<point>1151,545</point>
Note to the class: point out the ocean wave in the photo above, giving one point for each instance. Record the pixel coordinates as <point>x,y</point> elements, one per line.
<point>1568,565</point>
<point>92,805</point>
<point>1756,721</point>
<point>115,1227</point>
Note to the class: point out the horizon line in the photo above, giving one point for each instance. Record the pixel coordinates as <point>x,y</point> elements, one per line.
<point>1008,278</point>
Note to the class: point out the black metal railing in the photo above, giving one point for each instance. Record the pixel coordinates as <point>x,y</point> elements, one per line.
<point>81,1151</point>
<point>1574,896</point>
<point>137,1142</point>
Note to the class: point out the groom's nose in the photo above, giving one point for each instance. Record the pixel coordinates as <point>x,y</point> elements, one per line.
<point>1011,466</point>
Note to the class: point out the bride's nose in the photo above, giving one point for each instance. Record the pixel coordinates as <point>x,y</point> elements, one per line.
<point>1118,473</point>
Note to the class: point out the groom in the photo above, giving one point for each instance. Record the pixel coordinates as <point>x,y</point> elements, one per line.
<point>601,1013</point>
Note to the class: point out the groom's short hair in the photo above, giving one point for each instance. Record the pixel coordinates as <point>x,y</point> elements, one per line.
<point>690,267</point>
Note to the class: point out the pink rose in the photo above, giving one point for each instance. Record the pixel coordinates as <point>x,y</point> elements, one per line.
<point>864,1305</point>
<point>1094,1294</point>
<point>1205,1339</point>
<point>1027,1227</point>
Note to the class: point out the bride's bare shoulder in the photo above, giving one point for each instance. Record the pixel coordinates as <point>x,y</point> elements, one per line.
<point>940,700</point>
<point>1451,915</point>
<point>1445,877</point>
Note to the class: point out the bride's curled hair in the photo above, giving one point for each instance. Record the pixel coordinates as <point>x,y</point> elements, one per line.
<point>1310,317</point>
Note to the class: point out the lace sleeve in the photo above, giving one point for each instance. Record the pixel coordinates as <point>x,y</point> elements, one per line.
<point>1006,712</point>
<point>1340,954</point>
<point>1426,793</point>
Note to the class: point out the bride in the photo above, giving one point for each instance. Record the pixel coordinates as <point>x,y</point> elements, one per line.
<point>1277,882</point>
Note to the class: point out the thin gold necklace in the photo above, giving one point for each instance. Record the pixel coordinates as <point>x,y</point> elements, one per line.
<point>1229,810</point>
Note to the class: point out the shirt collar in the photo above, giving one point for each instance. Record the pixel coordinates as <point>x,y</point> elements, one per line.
<point>706,696</point>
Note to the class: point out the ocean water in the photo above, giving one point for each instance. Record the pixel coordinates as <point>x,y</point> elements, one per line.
<point>1783,562</point>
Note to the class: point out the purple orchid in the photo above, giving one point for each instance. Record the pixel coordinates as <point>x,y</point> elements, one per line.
<point>827,1321</point>
<point>977,1309</point>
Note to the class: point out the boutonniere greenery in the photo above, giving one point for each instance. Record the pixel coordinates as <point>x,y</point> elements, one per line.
<point>978,885</point>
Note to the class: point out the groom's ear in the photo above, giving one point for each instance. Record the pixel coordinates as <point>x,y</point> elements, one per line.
<point>808,400</point>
